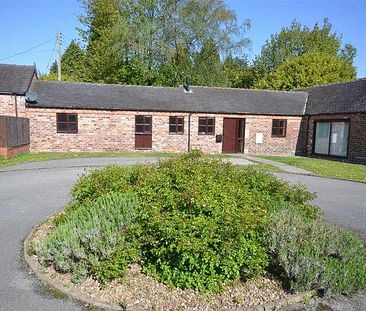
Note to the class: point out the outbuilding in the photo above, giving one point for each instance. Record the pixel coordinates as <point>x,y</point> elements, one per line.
<point>326,120</point>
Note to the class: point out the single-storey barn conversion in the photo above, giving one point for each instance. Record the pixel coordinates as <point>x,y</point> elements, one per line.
<point>327,120</point>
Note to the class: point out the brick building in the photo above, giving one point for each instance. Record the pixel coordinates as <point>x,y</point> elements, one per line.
<point>327,120</point>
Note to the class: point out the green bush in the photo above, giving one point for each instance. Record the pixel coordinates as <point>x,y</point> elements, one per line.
<point>202,220</point>
<point>112,178</point>
<point>88,236</point>
<point>315,255</point>
<point>198,223</point>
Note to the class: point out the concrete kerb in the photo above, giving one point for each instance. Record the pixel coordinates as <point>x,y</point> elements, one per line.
<point>47,281</point>
<point>283,166</point>
<point>84,299</point>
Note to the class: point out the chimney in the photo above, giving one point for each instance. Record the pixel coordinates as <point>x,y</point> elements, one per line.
<point>187,86</point>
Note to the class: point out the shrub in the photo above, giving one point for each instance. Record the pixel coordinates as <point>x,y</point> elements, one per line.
<point>199,223</point>
<point>315,255</point>
<point>202,220</point>
<point>88,236</point>
<point>112,178</point>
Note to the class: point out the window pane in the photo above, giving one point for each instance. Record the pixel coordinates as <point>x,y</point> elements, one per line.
<point>147,128</point>
<point>275,123</point>
<point>202,121</point>
<point>62,117</point>
<point>180,128</point>
<point>147,120</point>
<point>72,127</point>
<point>211,121</point>
<point>322,138</point>
<point>281,131</point>
<point>139,128</point>
<point>72,118</point>
<point>210,129</point>
<point>202,129</point>
<point>274,131</point>
<point>139,119</point>
<point>180,120</point>
<point>339,139</point>
<point>172,129</point>
<point>61,127</point>
<point>172,120</point>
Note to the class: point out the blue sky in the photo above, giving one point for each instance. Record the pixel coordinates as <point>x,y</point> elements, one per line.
<point>27,23</point>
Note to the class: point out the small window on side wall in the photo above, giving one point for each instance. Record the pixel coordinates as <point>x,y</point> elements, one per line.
<point>176,125</point>
<point>206,126</point>
<point>279,128</point>
<point>67,123</point>
<point>143,124</point>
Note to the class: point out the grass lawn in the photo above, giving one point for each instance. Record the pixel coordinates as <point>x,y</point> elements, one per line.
<point>44,156</point>
<point>327,168</point>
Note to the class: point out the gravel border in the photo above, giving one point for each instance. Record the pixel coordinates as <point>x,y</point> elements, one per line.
<point>81,297</point>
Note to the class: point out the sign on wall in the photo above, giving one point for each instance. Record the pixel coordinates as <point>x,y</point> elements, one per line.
<point>259,138</point>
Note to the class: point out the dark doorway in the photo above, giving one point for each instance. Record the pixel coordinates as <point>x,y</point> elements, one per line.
<point>143,132</point>
<point>234,135</point>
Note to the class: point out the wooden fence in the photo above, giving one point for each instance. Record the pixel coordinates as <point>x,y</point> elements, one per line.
<point>14,132</point>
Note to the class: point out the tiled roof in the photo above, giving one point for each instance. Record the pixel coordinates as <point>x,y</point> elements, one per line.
<point>144,98</point>
<point>15,79</point>
<point>337,98</point>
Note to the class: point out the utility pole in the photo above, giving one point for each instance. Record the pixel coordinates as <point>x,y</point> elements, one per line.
<point>59,43</point>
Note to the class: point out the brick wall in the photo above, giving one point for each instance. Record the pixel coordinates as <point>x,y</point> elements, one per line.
<point>7,105</point>
<point>115,131</point>
<point>100,131</point>
<point>11,152</point>
<point>357,134</point>
<point>272,145</point>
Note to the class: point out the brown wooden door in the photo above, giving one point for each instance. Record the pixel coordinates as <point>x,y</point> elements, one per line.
<point>234,135</point>
<point>143,132</point>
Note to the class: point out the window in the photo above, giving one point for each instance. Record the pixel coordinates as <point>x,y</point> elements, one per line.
<point>279,128</point>
<point>176,125</point>
<point>67,123</point>
<point>331,138</point>
<point>143,124</point>
<point>206,126</point>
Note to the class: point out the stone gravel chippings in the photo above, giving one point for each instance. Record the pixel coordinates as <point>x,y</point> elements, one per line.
<point>140,292</point>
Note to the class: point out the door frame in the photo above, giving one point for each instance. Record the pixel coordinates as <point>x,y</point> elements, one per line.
<point>143,135</point>
<point>239,135</point>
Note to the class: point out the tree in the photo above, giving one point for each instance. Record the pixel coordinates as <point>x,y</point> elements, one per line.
<point>239,73</point>
<point>177,70</point>
<point>72,64</point>
<point>152,36</point>
<point>308,70</point>
<point>102,32</point>
<point>208,69</point>
<point>297,40</point>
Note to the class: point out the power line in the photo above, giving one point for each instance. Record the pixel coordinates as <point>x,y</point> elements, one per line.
<point>53,50</point>
<point>25,51</point>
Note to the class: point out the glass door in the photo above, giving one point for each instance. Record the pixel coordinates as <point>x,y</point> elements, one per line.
<point>331,138</point>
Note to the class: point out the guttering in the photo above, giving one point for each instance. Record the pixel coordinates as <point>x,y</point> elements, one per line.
<point>16,105</point>
<point>35,106</point>
<point>189,131</point>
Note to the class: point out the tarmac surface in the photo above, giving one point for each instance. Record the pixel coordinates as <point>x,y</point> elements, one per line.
<point>31,192</point>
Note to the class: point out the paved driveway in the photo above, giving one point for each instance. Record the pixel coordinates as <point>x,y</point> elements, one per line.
<point>31,192</point>
<point>344,202</point>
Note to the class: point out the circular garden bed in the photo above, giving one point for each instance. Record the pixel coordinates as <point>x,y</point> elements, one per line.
<point>194,234</point>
